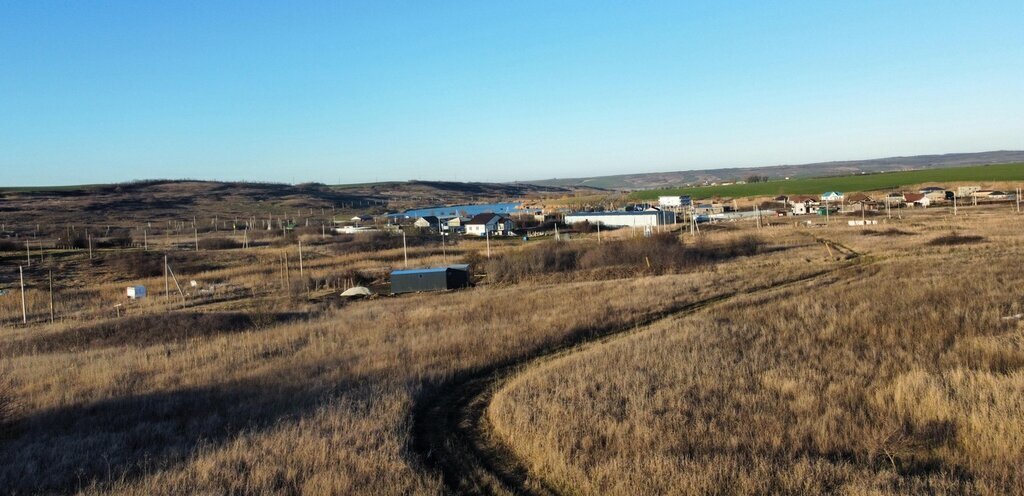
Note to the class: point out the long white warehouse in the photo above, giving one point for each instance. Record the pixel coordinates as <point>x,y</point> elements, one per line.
<point>623,219</point>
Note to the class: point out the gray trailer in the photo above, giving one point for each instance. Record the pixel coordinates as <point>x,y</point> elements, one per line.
<point>432,279</point>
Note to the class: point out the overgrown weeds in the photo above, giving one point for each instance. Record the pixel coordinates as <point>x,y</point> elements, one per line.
<point>658,254</point>
<point>892,231</point>
<point>218,243</point>
<point>145,330</point>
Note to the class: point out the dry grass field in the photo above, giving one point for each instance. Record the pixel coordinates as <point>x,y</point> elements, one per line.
<point>899,376</point>
<point>888,371</point>
<point>264,390</point>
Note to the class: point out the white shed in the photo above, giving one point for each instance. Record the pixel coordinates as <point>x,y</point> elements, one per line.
<point>136,292</point>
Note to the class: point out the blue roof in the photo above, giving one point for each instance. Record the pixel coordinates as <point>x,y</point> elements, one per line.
<point>430,270</point>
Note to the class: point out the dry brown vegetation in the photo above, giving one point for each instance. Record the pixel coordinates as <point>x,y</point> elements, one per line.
<point>184,403</point>
<point>886,377</point>
<point>659,254</point>
<point>901,376</point>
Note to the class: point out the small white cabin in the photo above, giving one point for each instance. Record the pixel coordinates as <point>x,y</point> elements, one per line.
<point>136,292</point>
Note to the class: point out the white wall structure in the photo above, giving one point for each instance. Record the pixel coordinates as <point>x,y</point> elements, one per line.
<point>673,201</point>
<point>623,219</point>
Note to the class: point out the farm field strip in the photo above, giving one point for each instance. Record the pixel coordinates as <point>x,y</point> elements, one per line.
<point>866,182</point>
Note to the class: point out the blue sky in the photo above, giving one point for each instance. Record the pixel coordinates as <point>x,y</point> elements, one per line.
<point>494,91</point>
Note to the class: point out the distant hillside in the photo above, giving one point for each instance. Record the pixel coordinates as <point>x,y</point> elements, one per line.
<point>408,194</point>
<point>639,181</point>
<point>180,199</point>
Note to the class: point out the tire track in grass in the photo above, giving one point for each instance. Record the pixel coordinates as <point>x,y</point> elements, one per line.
<point>451,433</point>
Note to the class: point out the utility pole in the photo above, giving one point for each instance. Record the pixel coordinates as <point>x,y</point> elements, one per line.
<point>405,250</point>
<point>598,232</point>
<point>24,311</point>
<point>487,234</point>
<point>145,239</point>
<point>28,253</point>
<point>88,236</point>
<point>51,296</point>
<point>301,272</point>
<point>167,286</point>
<point>444,254</point>
<point>287,273</point>
<point>954,205</point>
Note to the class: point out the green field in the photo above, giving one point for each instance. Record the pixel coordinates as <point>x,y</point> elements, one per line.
<point>865,182</point>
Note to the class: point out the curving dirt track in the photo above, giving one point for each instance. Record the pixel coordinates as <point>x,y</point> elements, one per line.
<point>450,431</point>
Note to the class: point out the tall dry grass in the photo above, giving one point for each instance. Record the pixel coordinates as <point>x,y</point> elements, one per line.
<point>900,378</point>
<point>319,406</point>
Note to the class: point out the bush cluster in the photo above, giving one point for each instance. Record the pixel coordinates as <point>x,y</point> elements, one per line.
<point>660,253</point>
<point>218,244</point>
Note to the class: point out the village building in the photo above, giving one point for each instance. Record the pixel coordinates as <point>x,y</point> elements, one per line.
<point>988,194</point>
<point>965,191</point>
<point>457,224</point>
<point>644,218</point>
<point>894,199</point>
<point>917,199</point>
<point>832,197</point>
<point>428,222</point>
<point>859,202</point>
<point>674,201</point>
<point>708,209</point>
<point>803,204</point>
<point>489,224</point>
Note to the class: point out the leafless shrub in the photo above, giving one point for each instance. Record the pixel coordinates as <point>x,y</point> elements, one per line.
<point>660,253</point>
<point>218,244</point>
<point>11,245</point>
<point>144,331</point>
<point>369,242</point>
<point>142,264</point>
<point>892,231</point>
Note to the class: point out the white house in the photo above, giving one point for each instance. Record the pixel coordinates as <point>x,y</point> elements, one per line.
<point>803,205</point>
<point>917,199</point>
<point>644,218</point>
<point>495,224</point>
<point>832,197</point>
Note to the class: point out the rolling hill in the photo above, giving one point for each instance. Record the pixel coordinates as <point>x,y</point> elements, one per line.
<point>639,181</point>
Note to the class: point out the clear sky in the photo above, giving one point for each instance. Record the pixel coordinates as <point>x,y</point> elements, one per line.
<point>343,91</point>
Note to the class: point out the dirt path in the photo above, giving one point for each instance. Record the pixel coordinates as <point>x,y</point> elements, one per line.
<point>450,429</point>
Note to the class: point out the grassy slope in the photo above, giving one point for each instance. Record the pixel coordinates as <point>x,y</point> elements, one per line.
<point>866,182</point>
